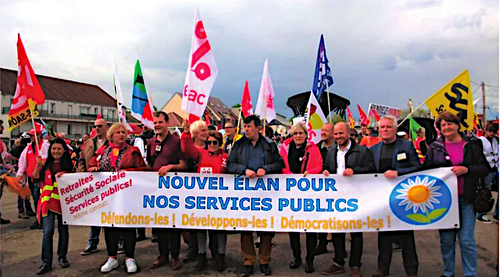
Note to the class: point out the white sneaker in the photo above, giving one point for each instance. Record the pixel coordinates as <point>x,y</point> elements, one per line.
<point>109,265</point>
<point>131,266</point>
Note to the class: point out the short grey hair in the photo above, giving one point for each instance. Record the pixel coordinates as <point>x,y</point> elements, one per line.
<point>298,126</point>
<point>391,118</point>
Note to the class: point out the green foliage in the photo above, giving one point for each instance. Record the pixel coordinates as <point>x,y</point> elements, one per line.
<point>235,106</point>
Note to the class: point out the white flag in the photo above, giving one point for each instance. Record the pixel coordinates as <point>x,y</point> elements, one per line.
<point>201,72</point>
<point>315,119</point>
<point>265,104</point>
<point>120,104</point>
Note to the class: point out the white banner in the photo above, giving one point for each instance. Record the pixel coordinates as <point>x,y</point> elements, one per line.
<point>385,110</point>
<point>282,203</point>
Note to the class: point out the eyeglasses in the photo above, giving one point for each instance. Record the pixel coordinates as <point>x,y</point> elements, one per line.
<point>490,130</point>
<point>298,133</point>
<point>353,135</point>
<point>228,127</point>
<point>214,142</point>
<point>97,126</point>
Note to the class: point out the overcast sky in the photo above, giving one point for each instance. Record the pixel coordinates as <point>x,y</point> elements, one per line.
<point>380,51</point>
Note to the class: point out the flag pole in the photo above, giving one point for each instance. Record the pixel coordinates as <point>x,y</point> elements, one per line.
<point>238,125</point>
<point>408,116</point>
<point>328,99</point>
<point>265,113</point>
<point>34,126</point>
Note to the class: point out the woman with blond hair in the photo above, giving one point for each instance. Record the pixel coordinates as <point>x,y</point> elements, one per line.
<point>301,157</point>
<point>116,156</point>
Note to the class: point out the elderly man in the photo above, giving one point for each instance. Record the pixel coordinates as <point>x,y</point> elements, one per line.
<point>88,150</point>
<point>395,157</point>
<point>347,158</point>
<point>246,158</point>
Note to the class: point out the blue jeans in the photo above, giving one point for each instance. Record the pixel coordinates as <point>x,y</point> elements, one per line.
<point>95,232</point>
<point>466,240</point>
<point>48,237</point>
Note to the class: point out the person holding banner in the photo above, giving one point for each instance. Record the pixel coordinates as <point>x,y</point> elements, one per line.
<point>116,156</point>
<point>89,147</point>
<point>301,157</point>
<point>347,158</point>
<point>27,163</point>
<point>57,163</point>
<point>395,157</point>
<point>212,160</point>
<point>255,156</point>
<point>165,155</point>
<point>469,164</point>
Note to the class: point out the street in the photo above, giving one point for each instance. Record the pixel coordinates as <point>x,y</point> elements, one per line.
<point>21,248</point>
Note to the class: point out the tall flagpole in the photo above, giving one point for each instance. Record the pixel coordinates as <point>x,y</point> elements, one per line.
<point>34,126</point>
<point>328,99</point>
<point>265,113</point>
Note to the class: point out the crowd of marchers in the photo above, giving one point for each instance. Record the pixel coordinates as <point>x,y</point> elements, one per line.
<point>255,153</point>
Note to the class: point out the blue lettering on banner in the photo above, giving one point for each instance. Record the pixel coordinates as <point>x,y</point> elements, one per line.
<point>263,184</point>
<point>160,201</point>
<point>177,182</point>
<point>317,205</point>
<point>316,184</point>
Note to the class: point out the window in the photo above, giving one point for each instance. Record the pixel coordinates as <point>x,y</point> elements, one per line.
<point>105,113</point>
<point>52,107</point>
<point>95,111</point>
<point>84,110</point>
<point>5,110</point>
<point>44,106</point>
<point>112,114</point>
<point>69,130</point>
<point>70,109</point>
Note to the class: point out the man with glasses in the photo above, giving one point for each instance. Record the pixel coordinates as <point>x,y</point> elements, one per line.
<point>230,137</point>
<point>88,149</point>
<point>490,151</point>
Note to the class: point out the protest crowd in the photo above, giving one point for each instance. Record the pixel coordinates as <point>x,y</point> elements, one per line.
<point>199,150</point>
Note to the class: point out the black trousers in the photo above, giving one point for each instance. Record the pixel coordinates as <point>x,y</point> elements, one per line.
<point>213,244</point>
<point>409,251</point>
<point>340,249</point>
<point>141,231</point>
<point>322,239</point>
<point>169,241</point>
<point>311,241</point>
<point>113,234</point>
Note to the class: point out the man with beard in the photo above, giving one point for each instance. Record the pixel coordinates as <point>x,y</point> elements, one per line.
<point>347,158</point>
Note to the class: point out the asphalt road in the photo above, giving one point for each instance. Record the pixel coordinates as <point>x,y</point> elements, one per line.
<point>20,250</point>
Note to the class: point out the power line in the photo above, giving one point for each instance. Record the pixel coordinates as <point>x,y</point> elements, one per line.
<point>486,85</point>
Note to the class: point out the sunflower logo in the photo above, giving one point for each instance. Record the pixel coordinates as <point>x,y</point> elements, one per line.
<point>420,200</point>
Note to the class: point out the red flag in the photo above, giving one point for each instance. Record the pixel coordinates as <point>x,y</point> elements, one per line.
<point>246,102</point>
<point>28,91</point>
<point>362,117</point>
<point>207,118</point>
<point>373,113</point>
<point>351,120</point>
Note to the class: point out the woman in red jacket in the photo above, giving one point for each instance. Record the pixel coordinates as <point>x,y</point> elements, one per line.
<point>301,157</point>
<point>113,157</point>
<point>49,205</point>
<point>212,160</point>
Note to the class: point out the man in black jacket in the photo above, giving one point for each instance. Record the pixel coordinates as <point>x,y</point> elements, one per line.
<point>395,157</point>
<point>347,158</point>
<point>254,156</point>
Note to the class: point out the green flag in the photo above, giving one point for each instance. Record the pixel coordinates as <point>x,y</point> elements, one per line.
<point>414,126</point>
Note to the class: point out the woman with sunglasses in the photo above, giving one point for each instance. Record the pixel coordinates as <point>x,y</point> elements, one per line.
<point>211,160</point>
<point>301,157</point>
<point>116,156</point>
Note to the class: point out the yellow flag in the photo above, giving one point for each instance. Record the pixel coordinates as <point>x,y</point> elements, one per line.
<point>455,97</point>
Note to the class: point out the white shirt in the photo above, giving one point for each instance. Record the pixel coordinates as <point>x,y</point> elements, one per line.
<point>139,143</point>
<point>22,159</point>
<point>341,157</point>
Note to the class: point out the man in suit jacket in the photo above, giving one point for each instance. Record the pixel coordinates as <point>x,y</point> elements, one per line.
<point>395,157</point>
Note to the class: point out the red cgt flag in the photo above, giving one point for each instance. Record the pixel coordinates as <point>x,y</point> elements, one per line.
<point>28,91</point>
<point>362,117</point>
<point>246,102</point>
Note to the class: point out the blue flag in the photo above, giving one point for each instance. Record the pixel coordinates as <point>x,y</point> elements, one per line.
<point>322,74</point>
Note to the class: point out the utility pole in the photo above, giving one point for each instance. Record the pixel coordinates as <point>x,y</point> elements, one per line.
<point>484,104</point>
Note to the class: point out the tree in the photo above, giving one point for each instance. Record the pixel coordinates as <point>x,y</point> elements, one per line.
<point>418,113</point>
<point>235,106</point>
<point>336,118</point>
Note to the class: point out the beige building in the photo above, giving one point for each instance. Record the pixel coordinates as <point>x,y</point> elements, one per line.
<point>70,107</point>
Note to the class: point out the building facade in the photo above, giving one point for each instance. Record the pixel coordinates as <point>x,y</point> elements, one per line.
<point>70,107</point>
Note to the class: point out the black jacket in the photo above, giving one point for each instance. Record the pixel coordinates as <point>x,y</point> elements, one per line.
<point>474,160</point>
<point>410,163</point>
<point>271,162</point>
<point>358,158</point>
